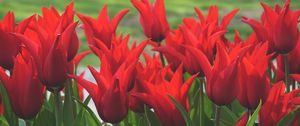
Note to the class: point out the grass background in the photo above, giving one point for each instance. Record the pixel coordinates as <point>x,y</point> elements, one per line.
<point>176,11</point>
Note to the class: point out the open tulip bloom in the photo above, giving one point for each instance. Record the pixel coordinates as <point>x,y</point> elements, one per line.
<point>192,75</point>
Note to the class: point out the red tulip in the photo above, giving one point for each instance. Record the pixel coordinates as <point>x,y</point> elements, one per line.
<point>243,120</point>
<point>25,91</point>
<point>286,31</point>
<point>211,24</point>
<point>222,84</point>
<point>253,77</point>
<point>10,45</point>
<point>102,29</point>
<point>201,34</point>
<point>293,62</point>
<point>153,19</point>
<point>53,38</point>
<point>114,81</point>
<point>156,97</point>
<point>175,52</point>
<point>150,72</point>
<point>278,105</point>
<point>119,53</point>
<point>278,27</point>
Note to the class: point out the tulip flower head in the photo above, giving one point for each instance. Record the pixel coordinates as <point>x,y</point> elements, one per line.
<point>253,77</point>
<point>293,63</point>
<point>10,45</point>
<point>278,105</point>
<point>153,19</point>
<point>222,84</point>
<point>149,72</point>
<point>25,91</point>
<point>114,81</point>
<point>53,43</point>
<point>103,28</point>
<point>279,27</point>
<point>156,97</point>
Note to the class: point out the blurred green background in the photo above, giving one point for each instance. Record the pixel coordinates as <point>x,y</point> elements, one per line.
<point>176,11</point>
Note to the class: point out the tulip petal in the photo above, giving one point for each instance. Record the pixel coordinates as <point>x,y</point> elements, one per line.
<point>227,18</point>
<point>89,86</point>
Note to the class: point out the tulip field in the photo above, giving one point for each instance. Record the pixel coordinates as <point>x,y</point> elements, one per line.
<point>149,63</point>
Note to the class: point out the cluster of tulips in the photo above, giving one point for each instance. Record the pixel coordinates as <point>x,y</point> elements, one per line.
<point>194,76</point>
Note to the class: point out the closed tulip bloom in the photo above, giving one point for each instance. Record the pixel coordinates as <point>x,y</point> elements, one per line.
<point>25,91</point>
<point>293,63</point>
<point>153,19</point>
<point>114,81</point>
<point>102,28</point>
<point>10,45</point>
<point>222,83</point>
<point>285,29</point>
<point>150,72</point>
<point>277,105</point>
<point>110,93</point>
<point>279,27</point>
<point>176,52</point>
<point>53,43</point>
<point>253,77</point>
<point>155,95</point>
<point>201,34</point>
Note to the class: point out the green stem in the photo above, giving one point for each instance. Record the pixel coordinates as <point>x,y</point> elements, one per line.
<point>269,71</point>
<point>69,106</point>
<point>162,59</point>
<point>286,71</point>
<point>57,107</point>
<point>10,116</point>
<point>146,115</point>
<point>161,55</point>
<point>28,123</point>
<point>217,115</point>
<point>201,104</point>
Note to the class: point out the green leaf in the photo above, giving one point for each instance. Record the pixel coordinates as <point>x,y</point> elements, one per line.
<point>182,111</point>
<point>87,100</point>
<point>10,116</point>
<point>132,118</point>
<point>80,119</point>
<point>75,93</point>
<point>208,107</point>
<point>254,115</point>
<point>89,120</point>
<point>226,112</point>
<point>151,116</point>
<point>237,108</point>
<point>94,117</point>
<point>147,110</point>
<point>195,109</point>
<point>3,121</point>
<point>44,118</point>
<point>287,119</point>
<point>68,113</point>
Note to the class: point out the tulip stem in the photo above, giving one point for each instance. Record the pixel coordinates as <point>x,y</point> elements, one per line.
<point>201,104</point>
<point>28,123</point>
<point>269,70</point>
<point>57,107</point>
<point>217,115</point>
<point>286,71</point>
<point>161,55</point>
